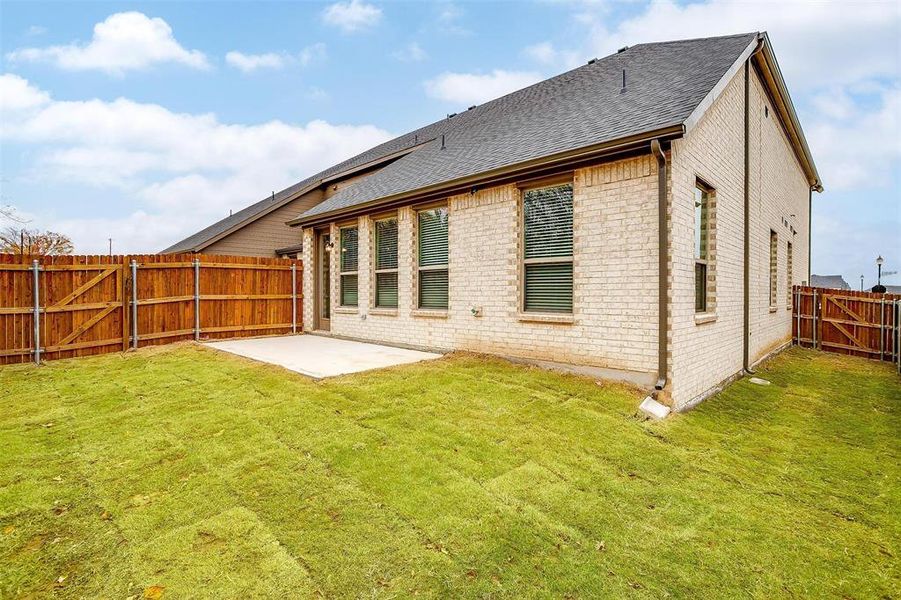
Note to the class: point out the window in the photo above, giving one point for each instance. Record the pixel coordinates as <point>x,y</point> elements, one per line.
<point>432,258</point>
<point>349,256</point>
<point>702,246</point>
<point>548,249</point>
<point>774,248</point>
<point>386,263</point>
<point>788,275</point>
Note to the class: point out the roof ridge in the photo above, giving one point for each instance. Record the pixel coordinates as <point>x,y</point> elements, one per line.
<point>696,39</point>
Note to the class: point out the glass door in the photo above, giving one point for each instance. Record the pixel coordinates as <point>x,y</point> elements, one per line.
<point>324,292</point>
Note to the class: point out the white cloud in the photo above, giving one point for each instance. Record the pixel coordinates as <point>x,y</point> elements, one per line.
<point>35,30</point>
<point>412,52</point>
<point>317,94</point>
<point>17,94</point>
<point>311,54</point>
<point>352,16</point>
<point>545,53</point>
<point>124,41</point>
<point>249,63</point>
<point>449,17</point>
<point>252,62</point>
<point>855,146</point>
<point>178,172</point>
<point>475,88</point>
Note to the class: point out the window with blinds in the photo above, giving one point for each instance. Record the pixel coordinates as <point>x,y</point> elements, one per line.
<point>386,263</point>
<point>789,275</point>
<point>702,246</point>
<point>349,264</point>
<point>548,249</point>
<point>774,249</point>
<point>432,257</point>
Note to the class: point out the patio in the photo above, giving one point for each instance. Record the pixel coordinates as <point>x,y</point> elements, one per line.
<point>319,356</point>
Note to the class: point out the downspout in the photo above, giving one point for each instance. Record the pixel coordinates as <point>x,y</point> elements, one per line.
<point>809,231</point>
<point>662,271</point>
<point>746,244</point>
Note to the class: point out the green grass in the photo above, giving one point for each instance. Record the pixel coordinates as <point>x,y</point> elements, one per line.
<point>186,472</point>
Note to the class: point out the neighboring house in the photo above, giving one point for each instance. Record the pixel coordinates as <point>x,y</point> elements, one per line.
<point>893,289</point>
<point>829,281</point>
<point>644,214</point>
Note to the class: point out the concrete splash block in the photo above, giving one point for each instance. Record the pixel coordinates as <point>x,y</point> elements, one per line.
<point>653,409</point>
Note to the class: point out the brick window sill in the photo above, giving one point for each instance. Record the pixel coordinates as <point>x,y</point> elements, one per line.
<point>429,313</point>
<point>546,318</point>
<point>383,312</point>
<point>701,318</point>
<point>346,310</point>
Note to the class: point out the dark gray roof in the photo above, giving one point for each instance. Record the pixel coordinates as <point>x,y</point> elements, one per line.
<point>665,82</point>
<point>829,281</point>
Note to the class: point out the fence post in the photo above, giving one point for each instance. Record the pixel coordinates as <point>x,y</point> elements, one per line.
<point>196,300</point>
<point>293,297</point>
<point>134,304</point>
<point>797,308</point>
<point>813,311</point>
<point>882,329</point>
<point>36,269</point>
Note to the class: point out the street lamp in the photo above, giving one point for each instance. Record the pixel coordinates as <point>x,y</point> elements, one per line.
<point>861,283</point>
<point>879,288</point>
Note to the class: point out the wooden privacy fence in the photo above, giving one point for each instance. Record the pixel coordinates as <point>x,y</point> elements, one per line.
<point>848,322</point>
<point>84,305</point>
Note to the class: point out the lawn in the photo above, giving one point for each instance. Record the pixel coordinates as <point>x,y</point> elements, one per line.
<point>185,472</point>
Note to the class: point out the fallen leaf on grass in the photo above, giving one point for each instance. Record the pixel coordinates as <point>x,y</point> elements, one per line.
<point>9,529</point>
<point>106,516</point>
<point>601,546</point>
<point>154,592</point>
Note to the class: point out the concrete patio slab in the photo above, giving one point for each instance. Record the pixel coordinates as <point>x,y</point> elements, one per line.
<point>319,356</point>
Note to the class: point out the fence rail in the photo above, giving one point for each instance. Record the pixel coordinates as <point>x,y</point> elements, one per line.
<point>84,305</point>
<point>848,322</point>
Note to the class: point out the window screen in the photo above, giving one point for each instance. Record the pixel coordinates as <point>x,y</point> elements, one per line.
<point>349,265</point>
<point>548,249</point>
<point>386,263</point>
<point>433,258</point>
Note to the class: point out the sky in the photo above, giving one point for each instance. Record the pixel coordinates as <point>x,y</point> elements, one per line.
<point>146,121</point>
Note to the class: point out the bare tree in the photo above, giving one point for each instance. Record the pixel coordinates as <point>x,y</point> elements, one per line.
<point>23,241</point>
<point>8,212</point>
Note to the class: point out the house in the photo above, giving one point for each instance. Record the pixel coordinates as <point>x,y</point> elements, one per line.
<point>829,281</point>
<point>643,215</point>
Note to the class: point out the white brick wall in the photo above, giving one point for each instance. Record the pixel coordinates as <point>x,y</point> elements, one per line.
<point>615,277</point>
<point>705,354</point>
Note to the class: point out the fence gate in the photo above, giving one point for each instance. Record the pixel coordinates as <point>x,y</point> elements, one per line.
<point>848,322</point>
<point>64,306</point>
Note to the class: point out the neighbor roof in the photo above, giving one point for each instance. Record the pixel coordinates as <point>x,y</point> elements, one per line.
<point>829,281</point>
<point>665,82</point>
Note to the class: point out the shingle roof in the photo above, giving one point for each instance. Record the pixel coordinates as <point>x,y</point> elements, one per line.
<point>665,82</point>
<point>829,281</point>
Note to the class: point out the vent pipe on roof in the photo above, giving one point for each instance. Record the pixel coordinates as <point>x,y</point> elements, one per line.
<point>623,89</point>
<point>442,142</point>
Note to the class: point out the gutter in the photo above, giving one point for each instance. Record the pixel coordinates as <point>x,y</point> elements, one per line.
<point>496,176</point>
<point>662,272</point>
